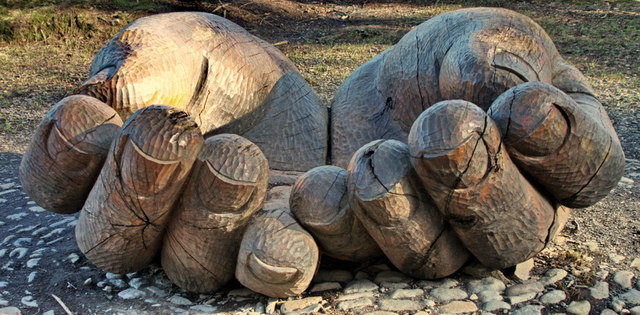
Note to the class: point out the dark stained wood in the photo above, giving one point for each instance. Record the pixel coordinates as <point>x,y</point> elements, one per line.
<point>227,187</point>
<point>66,153</point>
<point>121,225</point>
<point>569,148</point>
<point>472,54</point>
<point>458,153</point>
<point>229,81</point>
<point>320,202</point>
<point>277,257</point>
<point>391,203</point>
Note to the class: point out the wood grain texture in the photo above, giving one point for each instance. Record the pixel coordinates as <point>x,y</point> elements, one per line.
<point>569,149</point>
<point>472,54</point>
<point>388,198</point>
<point>320,202</point>
<point>229,81</point>
<point>458,153</point>
<point>121,225</point>
<point>66,153</point>
<point>277,257</point>
<point>227,186</point>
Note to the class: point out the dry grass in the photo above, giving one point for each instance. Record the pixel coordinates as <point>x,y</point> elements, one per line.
<point>46,46</point>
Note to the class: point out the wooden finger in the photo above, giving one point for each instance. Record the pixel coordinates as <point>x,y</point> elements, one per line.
<point>227,186</point>
<point>565,147</point>
<point>277,257</point>
<point>500,217</point>
<point>67,151</point>
<point>391,203</point>
<point>121,225</point>
<point>319,201</point>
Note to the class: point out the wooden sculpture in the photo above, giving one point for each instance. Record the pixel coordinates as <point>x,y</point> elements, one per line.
<point>469,137</point>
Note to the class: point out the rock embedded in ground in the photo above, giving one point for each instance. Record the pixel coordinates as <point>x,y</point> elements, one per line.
<point>523,269</point>
<point>579,307</point>
<point>360,286</point>
<point>553,276</point>
<point>457,307</point>
<point>623,278</point>
<point>486,284</point>
<point>325,286</point>
<point>131,293</point>
<point>523,288</point>
<point>493,306</point>
<point>355,303</point>
<point>553,297</point>
<point>600,290</point>
<point>296,305</point>
<point>446,294</point>
<point>528,310</point>
<point>399,305</point>
<point>631,296</point>
<point>406,293</point>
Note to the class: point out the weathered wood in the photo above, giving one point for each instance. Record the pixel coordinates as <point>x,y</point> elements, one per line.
<point>121,225</point>
<point>320,202</point>
<point>277,257</point>
<point>391,203</point>
<point>227,186</point>
<point>458,153</point>
<point>229,81</point>
<point>472,54</point>
<point>66,153</point>
<point>570,149</point>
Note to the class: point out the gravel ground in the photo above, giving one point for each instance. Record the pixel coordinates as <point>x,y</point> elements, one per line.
<point>593,267</point>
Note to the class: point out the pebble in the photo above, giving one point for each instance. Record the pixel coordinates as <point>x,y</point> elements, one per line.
<point>18,252</point>
<point>110,275</point>
<point>485,284</point>
<point>523,269</point>
<point>49,312</point>
<point>37,209</point>
<point>445,295</point>
<point>635,263</point>
<point>2,252</point>
<point>17,216</point>
<point>406,293</point>
<point>553,297</point>
<point>632,296</point>
<point>32,262</point>
<point>360,286</point>
<point>600,290</point>
<point>156,291</point>
<point>617,305</point>
<point>136,283</point>
<point>39,231</point>
<point>488,295</point>
<point>523,288</point>
<point>553,276</point>
<point>608,311</point>
<point>88,281</point>
<point>354,296</point>
<point>615,258</point>
<point>383,313</point>
<point>635,310</point>
<point>353,304</point>
<point>394,285</point>
<point>517,299</point>
<point>131,293</point>
<point>399,305</point>
<point>295,305</point>
<point>390,276</point>
<point>73,258</point>
<point>457,307</point>
<point>179,300</point>
<point>333,276</point>
<point>4,302</point>
<point>623,279</point>
<point>579,307</point>
<point>492,306</point>
<point>326,286</point>
<point>602,274</point>
<point>18,242</point>
<point>529,310</point>
<point>31,277</point>
<point>271,306</point>
<point>29,301</point>
<point>10,310</point>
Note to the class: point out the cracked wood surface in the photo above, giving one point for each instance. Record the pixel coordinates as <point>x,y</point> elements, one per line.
<point>229,81</point>
<point>227,186</point>
<point>320,202</point>
<point>66,153</point>
<point>121,225</point>
<point>459,156</point>
<point>389,200</point>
